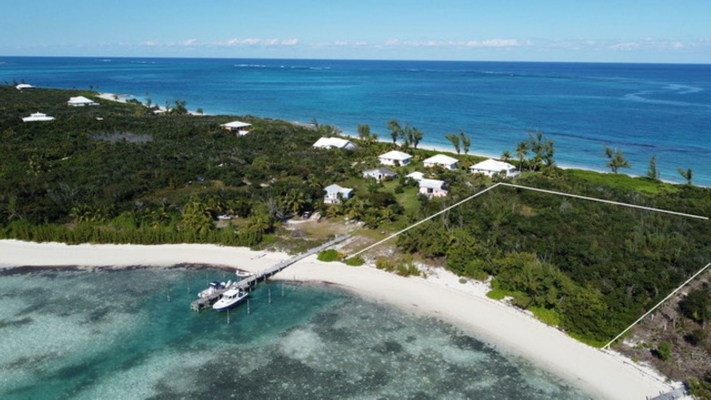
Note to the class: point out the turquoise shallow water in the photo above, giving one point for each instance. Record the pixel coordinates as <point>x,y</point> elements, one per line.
<point>114,334</point>
<point>640,109</point>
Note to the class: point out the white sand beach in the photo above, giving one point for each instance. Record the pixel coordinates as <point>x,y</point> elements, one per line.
<point>604,375</point>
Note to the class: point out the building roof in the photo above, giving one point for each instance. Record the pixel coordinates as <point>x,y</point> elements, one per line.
<point>396,155</point>
<point>382,171</point>
<point>441,159</point>
<point>24,86</point>
<point>236,124</point>
<point>492,165</point>
<point>337,188</point>
<point>432,184</point>
<point>38,116</point>
<point>417,175</point>
<point>333,142</point>
<point>80,100</point>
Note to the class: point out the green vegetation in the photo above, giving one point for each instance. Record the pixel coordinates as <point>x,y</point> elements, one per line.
<point>595,267</point>
<point>697,305</point>
<point>355,261</point>
<point>617,160</point>
<point>496,294</point>
<point>663,351</point>
<point>329,255</point>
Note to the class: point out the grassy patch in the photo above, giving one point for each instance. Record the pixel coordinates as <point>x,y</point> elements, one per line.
<point>545,315</point>
<point>496,294</point>
<point>355,261</point>
<point>329,255</point>
<point>622,181</point>
<point>590,342</point>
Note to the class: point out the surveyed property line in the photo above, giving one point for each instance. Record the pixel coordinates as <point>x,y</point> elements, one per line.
<point>607,346</point>
<point>659,210</point>
<point>423,221</point>
<point>605,201</point>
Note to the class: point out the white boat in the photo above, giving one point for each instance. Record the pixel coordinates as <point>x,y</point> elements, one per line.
<point>214,287</point>
<point>230,299</point>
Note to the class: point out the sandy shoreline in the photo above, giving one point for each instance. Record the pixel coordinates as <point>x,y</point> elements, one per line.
<point>440,295</point>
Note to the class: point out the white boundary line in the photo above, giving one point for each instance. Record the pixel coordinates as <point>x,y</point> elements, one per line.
<point>423,221</point>
<point>605,201</point>
<point>535,190</point>
<point>566,195</point>
<point>607,346</point>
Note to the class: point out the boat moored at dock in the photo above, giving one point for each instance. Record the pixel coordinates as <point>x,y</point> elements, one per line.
<point>230,299</point>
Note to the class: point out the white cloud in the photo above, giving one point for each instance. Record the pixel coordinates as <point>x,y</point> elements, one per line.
<point>625,46</point>
<point>189,42</point>
<point>502,43</point>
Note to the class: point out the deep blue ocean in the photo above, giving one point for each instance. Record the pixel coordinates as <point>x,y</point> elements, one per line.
<point>641,109</point>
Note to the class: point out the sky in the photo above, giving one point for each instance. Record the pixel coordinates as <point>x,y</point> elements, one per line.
<point>502,30</point>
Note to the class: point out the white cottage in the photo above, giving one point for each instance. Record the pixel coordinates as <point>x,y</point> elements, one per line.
<point>334,194</point>
<point>433,188</point>
<point>241,128</point>
<point>38,116</point>
<point>395,158</point>
<point>379,173</point>
<point>416,176</point>
<point>334,143</point>
<point>81,101</point>
<point>441,160</point>
<point>492,167</point>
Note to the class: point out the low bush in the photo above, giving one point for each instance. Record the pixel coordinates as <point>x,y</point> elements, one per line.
<point>329,255</point>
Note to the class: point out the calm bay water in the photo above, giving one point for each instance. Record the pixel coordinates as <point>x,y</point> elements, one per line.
<point>114,334</point>
<point>640,109</point>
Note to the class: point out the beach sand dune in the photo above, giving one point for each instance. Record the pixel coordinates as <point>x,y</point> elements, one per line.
<point>602,374</point>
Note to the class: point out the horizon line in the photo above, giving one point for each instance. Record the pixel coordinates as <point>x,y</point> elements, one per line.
<point>366,59</point>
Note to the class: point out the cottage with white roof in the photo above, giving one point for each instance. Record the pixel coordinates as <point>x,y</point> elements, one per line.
<point>334,194</point>
<point>81,101</point>
<point>379,173</point>
<point>441,160</point>
<point>416,176</point>
<point>433,188</point>
<point>334,143</point>
<point>38,116</point>
<point>242,128</point>
<point>24,86</point>
<point>395,158</point>
<point>492,167</point>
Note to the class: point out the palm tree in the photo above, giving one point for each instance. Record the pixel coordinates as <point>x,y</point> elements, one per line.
<point>466,142</point>
<point>688,174</point>
<point>454,139</point>
<point>506,156</point>
<point>395,130</point>
<point>521,152</point>
<point>197,217</point>
<point>617,159</point>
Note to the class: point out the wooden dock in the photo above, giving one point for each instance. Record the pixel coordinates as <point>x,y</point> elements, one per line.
<point>252,280</point>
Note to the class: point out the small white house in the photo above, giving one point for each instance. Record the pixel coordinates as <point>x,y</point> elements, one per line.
<point>334,194</point>
<point>492,167</point>
<point>433,188</point>
<point>38,116</point>
<point>81,101</point>
<point>241,128</point>
<point>395,158</point>
<point>441,160</point>
<point>416,176</point>
<point>379,173</point>
<point>24,86</point>
<point>334,143</point>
